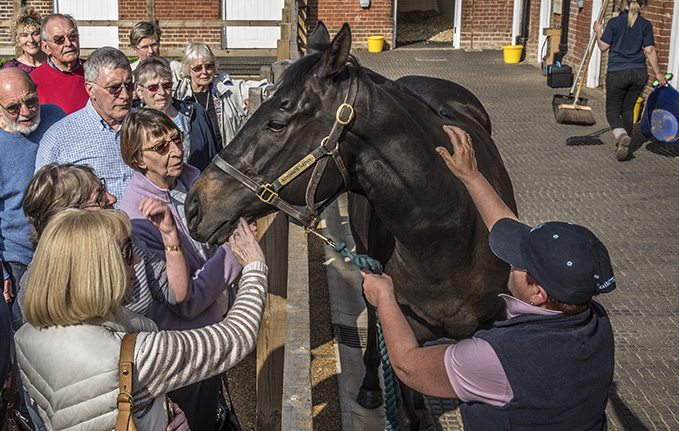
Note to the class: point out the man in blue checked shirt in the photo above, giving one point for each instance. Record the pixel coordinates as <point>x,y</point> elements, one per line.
<point>92,135</point>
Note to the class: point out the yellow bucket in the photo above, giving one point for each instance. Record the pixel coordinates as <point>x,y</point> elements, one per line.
<point>512,53</point>
<point>637,109</point>
<point>375,43</point>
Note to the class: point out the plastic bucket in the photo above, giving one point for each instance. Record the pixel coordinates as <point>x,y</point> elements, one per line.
<point>661,115</point>
<point>512,53</point>
<point>637,109</point>
<point>375,43</point>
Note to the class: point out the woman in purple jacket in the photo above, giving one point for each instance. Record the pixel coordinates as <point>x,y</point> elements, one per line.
<point>152,145</point>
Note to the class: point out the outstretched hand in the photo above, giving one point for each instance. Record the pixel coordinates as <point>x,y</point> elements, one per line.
<point>158,214</point>
<point>462,163</point>
<point>244,244</point>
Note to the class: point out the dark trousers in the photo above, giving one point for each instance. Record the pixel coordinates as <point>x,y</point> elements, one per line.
<point>15,270</point>
<point>623,88</point>
<point>199,402</point>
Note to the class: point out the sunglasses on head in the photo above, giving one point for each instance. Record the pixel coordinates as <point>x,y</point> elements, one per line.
<point>128,252</point>
<point>163,147</point>
<point>59,40</point>
<point>209,67</point>
<point>13,108</point>
<point>100,200</point>
<point>115,90</point>
<point>153,88</point>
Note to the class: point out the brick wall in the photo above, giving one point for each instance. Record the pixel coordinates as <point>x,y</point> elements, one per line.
<point>174,37</point>
<point>658,13</point>
<point>44,7</point>
<point>486,24</point>
<point>376,20</point>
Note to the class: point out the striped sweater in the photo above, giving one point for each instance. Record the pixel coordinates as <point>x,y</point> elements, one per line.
<point>168,360</point>
<point>71,372</point>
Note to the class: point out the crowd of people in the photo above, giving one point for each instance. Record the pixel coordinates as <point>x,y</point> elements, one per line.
<point>99,155</point>
<point>98,158</point>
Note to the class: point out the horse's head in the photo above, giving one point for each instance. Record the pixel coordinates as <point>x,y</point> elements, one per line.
<point>287,127</point>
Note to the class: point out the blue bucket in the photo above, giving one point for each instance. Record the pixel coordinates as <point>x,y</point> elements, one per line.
<point>661,114</point>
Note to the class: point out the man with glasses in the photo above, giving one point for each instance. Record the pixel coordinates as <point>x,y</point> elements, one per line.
<point>22,125</point>
<point>145,42</point>
<point>92,135</point>
<point>60,78</point>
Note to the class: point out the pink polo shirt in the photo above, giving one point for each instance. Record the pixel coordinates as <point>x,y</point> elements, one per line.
<point>474,370</point>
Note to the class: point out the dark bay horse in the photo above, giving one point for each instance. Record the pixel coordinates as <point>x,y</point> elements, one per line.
<point>407,210</point>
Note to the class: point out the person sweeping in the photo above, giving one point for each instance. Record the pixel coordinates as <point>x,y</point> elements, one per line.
<point>629,36</point>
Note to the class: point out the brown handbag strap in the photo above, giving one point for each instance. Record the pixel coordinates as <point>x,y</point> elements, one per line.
<point>125,370</point>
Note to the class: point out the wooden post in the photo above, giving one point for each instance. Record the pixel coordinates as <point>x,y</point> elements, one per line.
<point>297,408</point>
<point>254,99</point>
<point>273,233</point>
<point>151,11</point>
<point>16,7</point>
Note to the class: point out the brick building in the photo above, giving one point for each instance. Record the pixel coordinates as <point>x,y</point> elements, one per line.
<point>478,24</point>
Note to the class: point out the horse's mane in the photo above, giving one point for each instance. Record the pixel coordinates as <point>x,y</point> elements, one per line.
<point>295,74</point>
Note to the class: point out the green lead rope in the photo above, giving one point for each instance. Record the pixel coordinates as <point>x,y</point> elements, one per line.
<point>392,392</point>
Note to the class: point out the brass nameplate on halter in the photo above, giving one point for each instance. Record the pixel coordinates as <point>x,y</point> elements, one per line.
<point>294,171</point>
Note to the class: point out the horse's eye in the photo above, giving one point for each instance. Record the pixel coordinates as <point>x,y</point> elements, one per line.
<point>275,127</point>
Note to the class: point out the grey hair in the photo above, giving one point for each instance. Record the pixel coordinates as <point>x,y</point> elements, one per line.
<point>48,18</point>
<point>142,30</point>
<point>196,51</point>
<point>150,67</point>
<point>107,57</point>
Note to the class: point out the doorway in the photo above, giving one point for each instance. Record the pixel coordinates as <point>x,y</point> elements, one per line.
<point>426,22</point>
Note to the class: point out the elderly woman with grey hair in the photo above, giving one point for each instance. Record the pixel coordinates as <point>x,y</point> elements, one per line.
<point>222,97</point>
<point>154,87</point>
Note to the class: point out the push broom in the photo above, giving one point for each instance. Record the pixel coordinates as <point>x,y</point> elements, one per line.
<point>574,113</point>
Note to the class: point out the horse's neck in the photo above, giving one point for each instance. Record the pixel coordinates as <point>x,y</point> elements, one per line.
<point>403,176</point>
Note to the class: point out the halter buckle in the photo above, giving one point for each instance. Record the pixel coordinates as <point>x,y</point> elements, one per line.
<point>340,114</point>
<point>264,197</point>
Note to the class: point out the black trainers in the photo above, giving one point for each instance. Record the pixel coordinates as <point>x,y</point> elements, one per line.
<point>622,147</point>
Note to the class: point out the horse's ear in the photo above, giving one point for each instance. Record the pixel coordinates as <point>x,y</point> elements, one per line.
<point>337,54</point>
<point>319,39</point>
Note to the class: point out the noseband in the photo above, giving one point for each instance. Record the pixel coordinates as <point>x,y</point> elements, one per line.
<point>329,148</point>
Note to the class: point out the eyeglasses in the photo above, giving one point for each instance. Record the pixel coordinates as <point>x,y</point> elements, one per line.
<point>153,88</point>
<point>31,103</point>
<point>209,67</point>
<point>128,252</point>
<point>60,39</point>
<point>163,147</point>
<point>100,201</point>
<point>114,90</point>
<point>149,47</point>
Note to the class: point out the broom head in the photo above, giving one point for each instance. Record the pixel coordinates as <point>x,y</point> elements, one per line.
<point>575,114</point>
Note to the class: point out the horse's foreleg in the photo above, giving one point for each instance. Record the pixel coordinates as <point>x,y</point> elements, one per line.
<point>370,392</point>
<point>414,414</point>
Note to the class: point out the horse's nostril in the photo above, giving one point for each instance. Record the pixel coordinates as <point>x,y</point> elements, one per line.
<point>192,210</point>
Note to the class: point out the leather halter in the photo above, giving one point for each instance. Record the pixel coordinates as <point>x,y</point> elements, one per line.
<point>329,148</point>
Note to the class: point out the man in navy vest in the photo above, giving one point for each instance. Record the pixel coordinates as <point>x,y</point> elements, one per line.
<point>549,366</point>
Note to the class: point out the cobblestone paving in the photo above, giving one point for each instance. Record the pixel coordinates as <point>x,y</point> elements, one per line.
<point>569,173</point>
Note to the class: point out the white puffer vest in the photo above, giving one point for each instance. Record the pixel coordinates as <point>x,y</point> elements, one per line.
<point>71,373</point>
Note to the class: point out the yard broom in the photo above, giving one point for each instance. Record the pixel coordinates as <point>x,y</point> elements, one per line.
<point>574,113</point>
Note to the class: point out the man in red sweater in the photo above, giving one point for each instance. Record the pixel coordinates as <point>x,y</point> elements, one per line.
<point>60,79</point>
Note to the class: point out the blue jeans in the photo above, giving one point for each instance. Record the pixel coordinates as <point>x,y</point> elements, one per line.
<point>623,88</point>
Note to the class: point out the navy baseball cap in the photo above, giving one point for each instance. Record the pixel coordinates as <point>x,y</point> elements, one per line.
<point>567,260</point>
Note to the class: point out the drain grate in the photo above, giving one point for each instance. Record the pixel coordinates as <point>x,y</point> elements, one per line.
<point>351,336</point>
